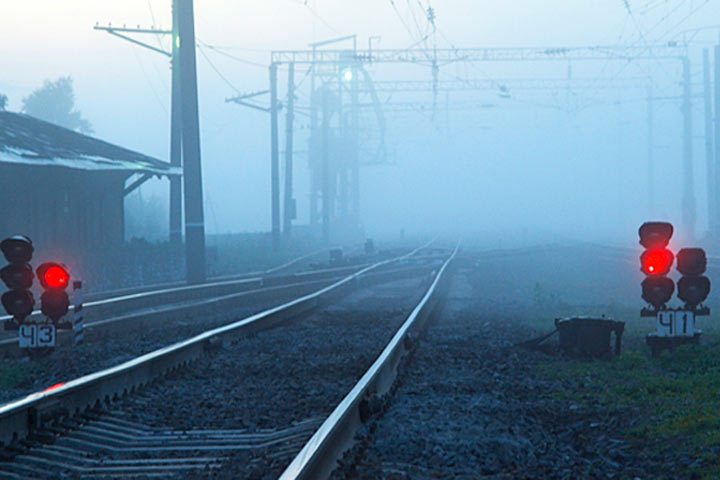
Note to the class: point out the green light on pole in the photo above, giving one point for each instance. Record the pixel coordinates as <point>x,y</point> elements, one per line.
<point>177,41</point>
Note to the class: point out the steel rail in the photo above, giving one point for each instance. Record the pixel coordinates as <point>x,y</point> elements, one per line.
<point>112,306</point>
<point>235,276</point>
<point>18,418</point>
<point>169,294</point>
<point>130,312</point>
<point>319,457</point>
<point>139,319</point>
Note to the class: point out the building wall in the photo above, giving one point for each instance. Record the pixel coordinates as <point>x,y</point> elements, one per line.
<point>61,208</point>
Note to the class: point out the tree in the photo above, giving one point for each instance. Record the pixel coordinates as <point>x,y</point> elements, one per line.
<point>55,102</point>
<point>3,102</point>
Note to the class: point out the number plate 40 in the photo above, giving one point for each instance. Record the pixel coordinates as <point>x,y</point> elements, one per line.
<point>35,336</point>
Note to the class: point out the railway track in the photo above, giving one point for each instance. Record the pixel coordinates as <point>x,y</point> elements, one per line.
<point>128,312</point>
<point>321,454</point>
<point>39,413</point>
<point>287,267</point>
<point>103,441</point>
<point>112,302</point>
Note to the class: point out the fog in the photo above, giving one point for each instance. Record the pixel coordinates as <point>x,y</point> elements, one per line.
<point>566,162</point>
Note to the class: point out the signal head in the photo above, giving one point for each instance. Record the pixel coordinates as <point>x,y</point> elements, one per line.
<point>53,275</point>
<point>54,303</point>
<point>656,262</point>
<point>17,276</point>
<point>657,290</point>
<point>655,234</point>
<point>693,290</point>
<point>18,303</point>
<point>17,249</point>
<point>691,261</point>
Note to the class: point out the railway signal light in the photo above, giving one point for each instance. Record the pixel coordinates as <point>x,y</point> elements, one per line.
<point>693,286</point>
<point>656,262</point>
<point>18,301</point>
<point>657,291</point>
<point>54,301</point>
<point>53,275</point>
<point>655,234</point>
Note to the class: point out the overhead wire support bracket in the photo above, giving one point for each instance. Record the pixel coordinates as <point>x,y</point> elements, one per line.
<point>248,95</point>
<point>249,105</point>
<point>114,31</point>
<point>335,40</point>
<point>240,100</point>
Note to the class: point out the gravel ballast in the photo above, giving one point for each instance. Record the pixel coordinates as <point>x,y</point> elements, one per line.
<point>471,405</point>
<point>278,377</point>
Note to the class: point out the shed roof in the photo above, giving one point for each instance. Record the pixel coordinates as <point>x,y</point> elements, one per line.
<point>30,141</point>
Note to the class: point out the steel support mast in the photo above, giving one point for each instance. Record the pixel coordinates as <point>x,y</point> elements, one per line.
<point>289,203</point>
<point>274,159</point>
<point>709,152</point>
<point>175,135</point>
<point>717,132</point>
<point>688,199</point>
<point>192,168</point>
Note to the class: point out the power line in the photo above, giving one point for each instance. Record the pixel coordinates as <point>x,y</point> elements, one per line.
<point>233,57</point>
<point>314,13</point>
<point>212,65</point>
<point>402,20</point>
<point>687,17</point>
<point>150,84</point>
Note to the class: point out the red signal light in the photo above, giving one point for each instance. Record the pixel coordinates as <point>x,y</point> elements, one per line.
<point>53,275</point>
<point>656,262</point>
<point>56,277</point>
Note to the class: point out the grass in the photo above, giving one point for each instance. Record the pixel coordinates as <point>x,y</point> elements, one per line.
<point>671,402</point>
<point>13,375</point>
<point>667,404</point>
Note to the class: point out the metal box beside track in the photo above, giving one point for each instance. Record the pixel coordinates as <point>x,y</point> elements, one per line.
<point>589,337</point>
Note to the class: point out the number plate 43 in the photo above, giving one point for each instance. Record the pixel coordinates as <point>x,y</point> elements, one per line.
<point>35,336</point>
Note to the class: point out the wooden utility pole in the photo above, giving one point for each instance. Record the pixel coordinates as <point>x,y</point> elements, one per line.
<point>192,169</point>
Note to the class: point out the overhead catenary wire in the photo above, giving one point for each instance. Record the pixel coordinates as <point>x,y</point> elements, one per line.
<point>216,70</point>
<point>315,14</point>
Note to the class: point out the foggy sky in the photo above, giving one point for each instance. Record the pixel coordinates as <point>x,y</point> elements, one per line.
<point>527,166</point>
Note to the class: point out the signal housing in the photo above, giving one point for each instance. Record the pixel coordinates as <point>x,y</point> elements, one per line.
<point>54,278</point>
<point>18,276</point>
<point>656,262</point>
<point>693,287</point>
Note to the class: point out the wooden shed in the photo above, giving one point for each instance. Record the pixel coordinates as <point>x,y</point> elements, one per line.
<point>65,189</point>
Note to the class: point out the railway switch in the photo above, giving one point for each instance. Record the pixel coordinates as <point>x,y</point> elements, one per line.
<point>18,276</point>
